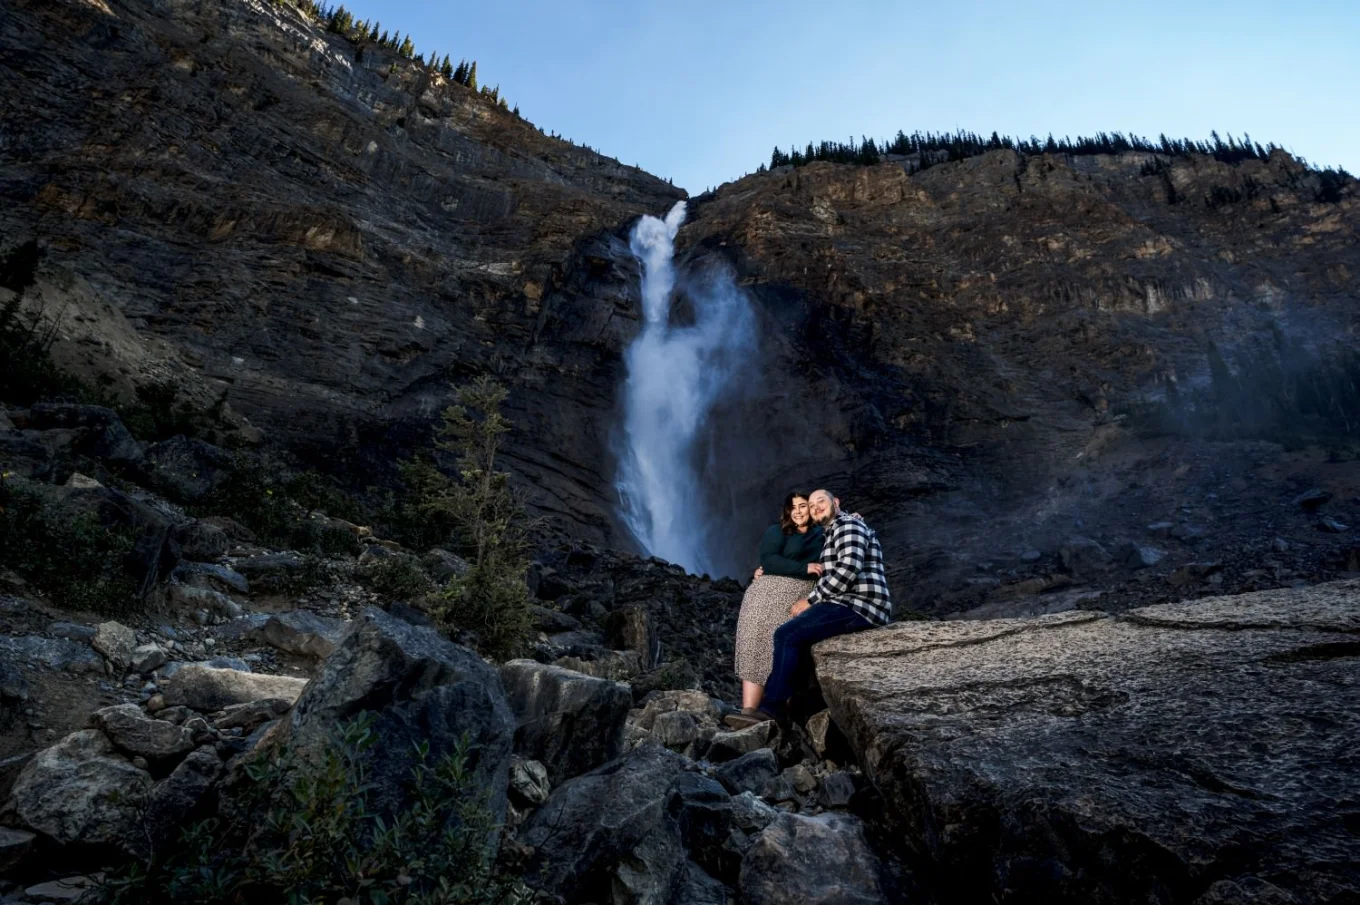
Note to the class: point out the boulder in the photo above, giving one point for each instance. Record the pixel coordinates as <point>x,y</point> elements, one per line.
<point>1313,499</point>
<point>147,658</point>
<point>208,689</point>
<point>174,801</point>
<point>748,773</point>
<point>568,721</point>
<point>107,437</point>
<point>1084,557</point>
<point>116,642</point>
<point>215,603</point>
<point>444,566</point>
<point>304,633</point>
<point>695,887</point>
<point>702,811</point>
<point>837,789</point>
<point>1084,757</point>
<point>608,822</point>
<point>53,653</point>
<point>138,735</point>
<point>211,575</point>
<point>199,541</point>
<point>186,470</point>
<point>1139,556</point>
<point>819,731</point>
<point>823,859</point>
<point>81,791</point>
<point>529,782</point>
<point>420,689</point>
<point>67,889</point>
<point>727,745</point>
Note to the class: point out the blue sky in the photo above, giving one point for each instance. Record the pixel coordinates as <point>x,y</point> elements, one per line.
<point>700,91</point>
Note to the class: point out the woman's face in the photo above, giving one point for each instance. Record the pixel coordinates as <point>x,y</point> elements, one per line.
<point>799,512</point>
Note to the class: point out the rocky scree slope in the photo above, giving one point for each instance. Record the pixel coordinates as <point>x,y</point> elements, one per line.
<point>232,199</point>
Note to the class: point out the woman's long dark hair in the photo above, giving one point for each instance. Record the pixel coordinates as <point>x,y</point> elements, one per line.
<point>786,516</point>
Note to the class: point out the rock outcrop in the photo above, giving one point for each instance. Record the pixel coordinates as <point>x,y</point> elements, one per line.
<point>1185,752</point>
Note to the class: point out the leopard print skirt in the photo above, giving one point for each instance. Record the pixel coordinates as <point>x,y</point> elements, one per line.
<point>764,608</point>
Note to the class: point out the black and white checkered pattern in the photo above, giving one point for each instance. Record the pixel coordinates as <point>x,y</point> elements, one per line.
<point>853,571</point>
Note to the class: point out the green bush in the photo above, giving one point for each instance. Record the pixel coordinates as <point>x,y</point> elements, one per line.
<point>399,577</point>
<point>491,604</point>
<point>76,561</point>
<point>307,832</point>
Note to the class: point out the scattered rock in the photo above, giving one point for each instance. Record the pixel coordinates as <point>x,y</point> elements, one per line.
<point>1139,556</point>
<point>819,729</point>
<point>214,602</point>
<point>553,621</point>
<point>1280,545</point>
<point>529,782</point>
<point>569,722</point>
<point>247,717</point>
<point>202,574</point>
<point>1031,556</point>
<point>136,734</point>
<point>15,846</point>
<point>421,688</point>
<point>801,778</point>
<point>751,772</point>
<point>1161,529</point>
<point>304,633</point>
<point>80,791</point>
<point>67,889</point>
<point>116,642</point>
<point>72,631</point>
<point>1332,526</point>
<point>1311,500</point>
<point>1192,572</point>
<point>727,745</point>
<point>695,887</point>
<point>200,541</point>
<point>271,571</point>
<point>822,859</point>
<point>147,658</point>
<point>1188,534</point>
<point>110,438</point>
<point>208,689</point>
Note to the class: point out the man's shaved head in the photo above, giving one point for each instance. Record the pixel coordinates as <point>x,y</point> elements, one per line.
<point>824,505</point>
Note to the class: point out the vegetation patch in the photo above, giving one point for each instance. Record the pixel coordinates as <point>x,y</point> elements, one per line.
<point>78,562</point>
<point>308,832</point>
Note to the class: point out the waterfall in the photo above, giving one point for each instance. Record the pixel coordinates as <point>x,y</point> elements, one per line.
<point>676,373</point>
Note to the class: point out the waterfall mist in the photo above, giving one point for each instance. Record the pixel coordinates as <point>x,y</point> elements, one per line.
<point>681,365</point>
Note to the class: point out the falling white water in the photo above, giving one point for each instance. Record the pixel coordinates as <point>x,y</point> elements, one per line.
<point>675,375</point>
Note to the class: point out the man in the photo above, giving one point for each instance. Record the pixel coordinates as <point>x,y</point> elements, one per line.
<point>850,596</point>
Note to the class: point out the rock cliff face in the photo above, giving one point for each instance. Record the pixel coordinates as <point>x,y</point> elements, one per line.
<point>1199,752</point>
<point>234,200</point>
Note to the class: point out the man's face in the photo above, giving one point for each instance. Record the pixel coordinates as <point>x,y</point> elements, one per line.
<point>823,508</point>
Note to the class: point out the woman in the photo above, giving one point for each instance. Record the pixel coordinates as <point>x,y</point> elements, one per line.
<point>788,570</point>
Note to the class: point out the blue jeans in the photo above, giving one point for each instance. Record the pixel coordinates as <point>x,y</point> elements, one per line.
<point>794,639</point>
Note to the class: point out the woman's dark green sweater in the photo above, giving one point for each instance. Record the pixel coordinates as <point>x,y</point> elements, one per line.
<point>789,554</point>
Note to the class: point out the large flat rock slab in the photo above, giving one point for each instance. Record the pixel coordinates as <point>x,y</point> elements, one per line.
<point>1194,752</point>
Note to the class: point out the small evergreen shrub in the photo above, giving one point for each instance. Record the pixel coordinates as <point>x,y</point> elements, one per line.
<point>397,577</point>
<point>489,609</point>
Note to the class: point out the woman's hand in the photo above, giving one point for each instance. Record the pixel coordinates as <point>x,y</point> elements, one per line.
<point>815,568</point>
<point>760,570</point>
<point>799,607</point>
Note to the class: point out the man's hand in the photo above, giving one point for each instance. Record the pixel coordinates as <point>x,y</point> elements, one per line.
<point>760,570</point>
<point>814,568</point>
<point>799,607</point>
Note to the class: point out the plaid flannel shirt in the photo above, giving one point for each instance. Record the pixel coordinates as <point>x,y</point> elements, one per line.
<point>853,571</point>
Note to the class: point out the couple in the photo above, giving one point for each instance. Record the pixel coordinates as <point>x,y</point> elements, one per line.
<point>820,575</point>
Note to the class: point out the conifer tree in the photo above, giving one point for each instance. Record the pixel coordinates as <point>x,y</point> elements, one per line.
<point>446,68</point>
<point>460,74</point>
<point>373,32</point>
<point>408,48</point>
<point>472,76</point>
<point>385,40</point>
